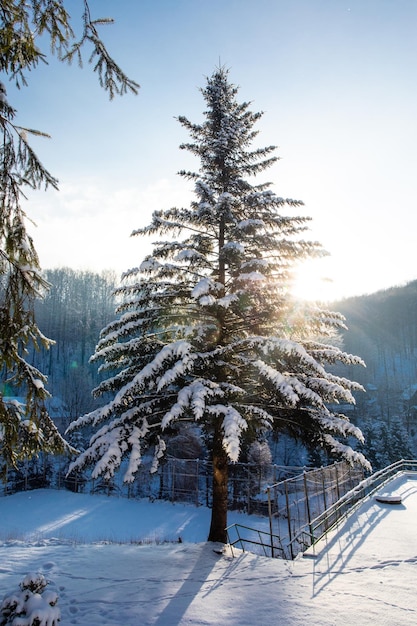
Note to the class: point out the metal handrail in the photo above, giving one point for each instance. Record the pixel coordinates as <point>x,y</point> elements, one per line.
<point>324,522</point>
<point>269,543</point>
<point>313,531</point>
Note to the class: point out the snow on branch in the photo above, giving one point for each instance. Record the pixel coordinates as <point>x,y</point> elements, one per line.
<point>233,425</point>
<point>345,382</point>
<point>194,396</point>
<point>331,390</point>
<point>252,277</point>
<point>177,350</point>
<point>265,419</point>
<point>276,347</point>
<point>158,454</point>
<point>135,457</point>
<point>150,264</point>
<point>203,287</point>
<point>188,254</point>
<point>260,263</point>
<point>278,380</point>
<point>181,367</point>
<point>32,604</point>
<point>292,389</point>
<point>346,452</point>
<point>111,458</point>
<point>331,354</point>
<point>251,225</point>
<point>178,409</point>
<point>228,300</point>
<point>202,291</point>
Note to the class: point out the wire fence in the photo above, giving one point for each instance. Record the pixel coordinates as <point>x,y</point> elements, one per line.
<point>292,505</point>
<point>292,497</point>
<point>302,504</point>
<point>177,480</point>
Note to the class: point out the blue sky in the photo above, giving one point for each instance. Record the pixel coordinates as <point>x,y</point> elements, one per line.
<point>336,80</point>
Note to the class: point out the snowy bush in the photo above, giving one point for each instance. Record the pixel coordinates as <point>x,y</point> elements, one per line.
<point>32,605</point>
<point>260,453</point>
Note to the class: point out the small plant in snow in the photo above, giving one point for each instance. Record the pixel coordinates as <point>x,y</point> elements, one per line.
<point>32,605</point>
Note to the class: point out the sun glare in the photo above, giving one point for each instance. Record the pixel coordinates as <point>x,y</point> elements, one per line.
<point>310,284</point>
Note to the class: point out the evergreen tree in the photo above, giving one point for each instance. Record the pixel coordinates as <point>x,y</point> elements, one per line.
<point>26,26</point>
<point>25,427</point>
<point>385,442</point>
<point>207,331</point>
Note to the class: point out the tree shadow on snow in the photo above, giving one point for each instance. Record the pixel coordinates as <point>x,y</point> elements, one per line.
<point>191,587</point>
<point>341,547</point>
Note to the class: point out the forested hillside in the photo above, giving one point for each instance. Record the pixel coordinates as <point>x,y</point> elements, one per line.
<point>383,331</point>
<point>78,305</point>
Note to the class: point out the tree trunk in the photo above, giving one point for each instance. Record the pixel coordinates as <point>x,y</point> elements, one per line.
<point>219,457</point>
<point>220,476</point>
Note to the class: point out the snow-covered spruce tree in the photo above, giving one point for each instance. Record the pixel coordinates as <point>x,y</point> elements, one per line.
<point>207,330</point>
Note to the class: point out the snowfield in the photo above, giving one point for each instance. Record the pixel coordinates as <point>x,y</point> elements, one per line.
<point>363,573</point>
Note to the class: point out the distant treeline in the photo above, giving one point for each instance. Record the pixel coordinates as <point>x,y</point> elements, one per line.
<point>74,311</point>
<point>382,329</point>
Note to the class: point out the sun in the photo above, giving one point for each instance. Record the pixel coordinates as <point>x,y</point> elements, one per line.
<point>311,284</point>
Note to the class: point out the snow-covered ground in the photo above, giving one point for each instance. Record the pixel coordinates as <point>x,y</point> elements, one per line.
<point>363,573</point>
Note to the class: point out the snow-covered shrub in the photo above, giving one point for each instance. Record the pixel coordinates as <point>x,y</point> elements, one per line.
<point>31,605</point>
<point>260,453</point>
<point>260,459</point>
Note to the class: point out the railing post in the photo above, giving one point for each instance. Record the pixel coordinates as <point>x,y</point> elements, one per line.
<point>248,491</point>
<point>275,486</point>
<point>308,508</point>
<point>197,471</point>
<point>350,476</point>
<point>323,482</point>
<point>289,520</point>
<point>173,482</point>
<point>268,491</point>
<point>239,537</point>
<point>337,482</point>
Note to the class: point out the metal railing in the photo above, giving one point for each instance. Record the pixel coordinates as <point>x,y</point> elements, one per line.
<point>290,541</point>
<point>265,543</point>
<point>320,525</point>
